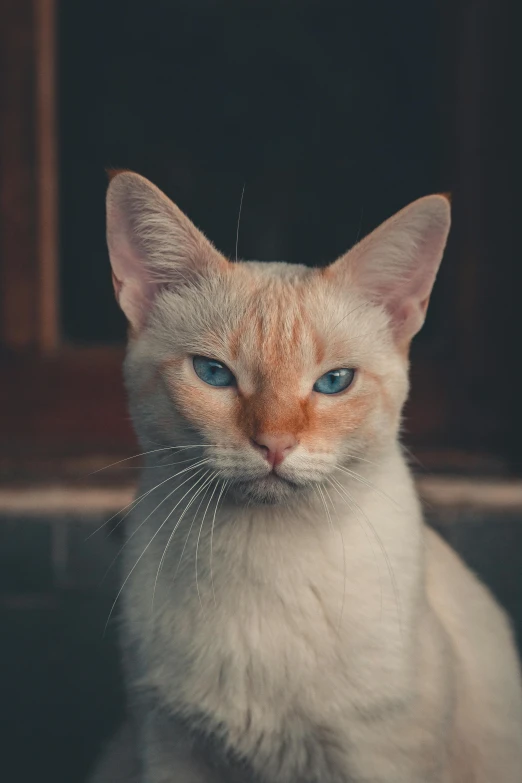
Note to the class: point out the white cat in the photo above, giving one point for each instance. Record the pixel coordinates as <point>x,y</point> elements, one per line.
<point>287,617</point>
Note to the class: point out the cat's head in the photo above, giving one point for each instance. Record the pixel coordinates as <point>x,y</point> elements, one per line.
<point>280,373</point>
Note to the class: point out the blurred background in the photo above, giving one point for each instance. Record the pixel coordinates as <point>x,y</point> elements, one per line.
<point>330,117</point>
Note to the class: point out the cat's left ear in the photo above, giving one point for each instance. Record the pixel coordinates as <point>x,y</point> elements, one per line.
<point>152,245</point>
<point>396,265</point>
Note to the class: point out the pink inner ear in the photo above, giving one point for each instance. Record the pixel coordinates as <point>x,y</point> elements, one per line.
<point>397,264</point>
<point>409,305</point>
<point>134,292</point>
<point>151,244</point>
<point>407,300</point>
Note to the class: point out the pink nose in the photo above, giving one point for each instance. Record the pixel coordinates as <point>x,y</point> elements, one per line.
<point>275,447</point>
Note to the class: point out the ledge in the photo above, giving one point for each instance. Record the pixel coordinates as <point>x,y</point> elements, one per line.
<point>471,493</point>
<point>437,492</point>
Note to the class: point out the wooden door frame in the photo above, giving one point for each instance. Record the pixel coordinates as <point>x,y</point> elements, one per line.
<point>55,399</point>
<point>29,177</point>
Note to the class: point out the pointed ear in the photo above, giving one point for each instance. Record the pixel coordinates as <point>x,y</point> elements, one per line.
<point>152,244</point>
<point>396,265</point>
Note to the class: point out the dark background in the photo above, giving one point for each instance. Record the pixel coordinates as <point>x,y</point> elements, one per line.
<point>331,116</point>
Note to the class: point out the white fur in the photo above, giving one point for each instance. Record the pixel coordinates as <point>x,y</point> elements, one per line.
<point>417,682</point>
<point>327,636</point>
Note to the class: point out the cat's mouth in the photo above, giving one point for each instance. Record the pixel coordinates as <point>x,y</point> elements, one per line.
<point>269,488</point>
<point>248,482</point>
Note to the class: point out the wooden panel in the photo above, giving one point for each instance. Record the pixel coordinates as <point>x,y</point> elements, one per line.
<point>47,175</point>
<point>65,405</point>
<point>28,173</point>
<point>18,258</point>
<point>487,381</point>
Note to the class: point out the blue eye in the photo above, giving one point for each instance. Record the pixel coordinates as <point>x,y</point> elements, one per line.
<point>213,372</point>
<point>334,381</point>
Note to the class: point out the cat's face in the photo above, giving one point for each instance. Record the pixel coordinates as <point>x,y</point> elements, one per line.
<point>283,374</point>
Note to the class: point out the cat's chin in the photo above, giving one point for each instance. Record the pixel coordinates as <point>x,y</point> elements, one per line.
<point>268,490</point>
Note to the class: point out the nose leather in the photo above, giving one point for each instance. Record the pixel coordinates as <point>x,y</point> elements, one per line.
<point>275,447</point>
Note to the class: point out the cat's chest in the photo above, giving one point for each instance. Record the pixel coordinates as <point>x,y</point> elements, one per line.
<point>279,645</point>
<point>267,677</point>
<point>261,643</point>
<point>254,648</point>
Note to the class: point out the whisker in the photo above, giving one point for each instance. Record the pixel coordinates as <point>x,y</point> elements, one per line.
<point>239,217</point>
<point>223,488</point>
<point>321,496</point>
<point>384,553</point>
<point>152,451</point>
<point>175,475</point>
<point>158,467</point>
<point>120,550</point>
<point>370,485</point>
<point>347,500</point>
<point>176,526</point>
<point>138,500</point>
<point>150,542</point>
<point>360,225</point>
<point>361,459</point>
<point>363,304</point>
<point>339,528</point>
<point>412,457</point>
<point>134,502</point>
<point>211,479</point>
<point>197,543</point>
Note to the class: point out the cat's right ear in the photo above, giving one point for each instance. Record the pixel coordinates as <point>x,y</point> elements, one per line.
<point>152,244</point>
<point>396,265</point>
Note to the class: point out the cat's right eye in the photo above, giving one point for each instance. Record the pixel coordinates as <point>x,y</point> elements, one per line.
<point>213,372</point>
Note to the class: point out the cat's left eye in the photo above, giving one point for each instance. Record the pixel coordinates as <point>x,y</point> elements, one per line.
<point>334,381</point>
<point>213,372</point>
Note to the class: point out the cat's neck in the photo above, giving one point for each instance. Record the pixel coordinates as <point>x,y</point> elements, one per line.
<point>353,553</point>
<point>370,494</point>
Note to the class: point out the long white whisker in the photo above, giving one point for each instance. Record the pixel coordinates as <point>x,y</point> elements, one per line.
<point>160,466</point>
<point>163,465</point>
<point>176,526</point>
<point>347,500</point>
<point>369,484</point>
<point>239,217</point>
<point>223,488</point>
<point>344,555</point>
<point>363,304</point>
<point>120,550</point>
<point>197,543</point>
<point>383,550</point>
<point>361,459</point>
<point>321,496</point>
<point>150,542</point>
<point>152,451</point>
<point>138,500</point>
<point>134,502</point>
<point>207,485</point>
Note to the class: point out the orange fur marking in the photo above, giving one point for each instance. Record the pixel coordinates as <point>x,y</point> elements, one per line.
<point>281,346</point>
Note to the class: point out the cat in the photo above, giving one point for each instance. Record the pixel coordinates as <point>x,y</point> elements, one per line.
<point>287,616</point>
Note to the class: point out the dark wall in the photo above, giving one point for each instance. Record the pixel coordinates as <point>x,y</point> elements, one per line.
<point>331,115</point>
